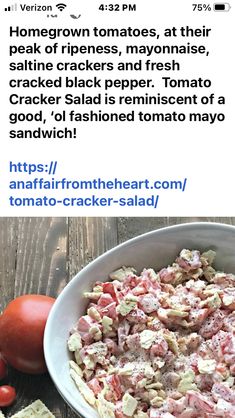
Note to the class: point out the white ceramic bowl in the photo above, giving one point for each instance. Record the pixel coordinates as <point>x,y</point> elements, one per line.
<point>155,249</point>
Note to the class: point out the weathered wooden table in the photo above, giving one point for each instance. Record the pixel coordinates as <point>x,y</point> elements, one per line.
<point>41,255</point>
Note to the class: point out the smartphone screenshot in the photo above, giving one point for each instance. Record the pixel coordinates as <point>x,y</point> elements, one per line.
<point>117,223</point>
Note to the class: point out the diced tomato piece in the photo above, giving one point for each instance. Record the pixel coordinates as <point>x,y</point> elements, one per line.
<point>105,299</point>
<point>149,285</point>
<point>204,382</point>
<point>112,346</point>
<point>221,390</point>
<point>110,311</point>
<point>176,406</point>
<point>159,348</point>
<point>212,324</point>
<point>199,402</point>
<point>87,338</point>
<point>197,316</point>
<point>137,316</point>
<point>133,342</point>
<point>217,342</point>
<point>83,327</point>
<point>94,385</point>
<point>194,361</point>
<point>115,386</point>
<point>109,288</point>
<point>85,323</point>
<point>131,281</point>
<point>167,275</point>
<point>227,343</point>
<point>150,274</point>
<point>228,346</point>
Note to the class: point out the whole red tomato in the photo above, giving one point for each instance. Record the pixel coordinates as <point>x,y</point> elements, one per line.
<point>22,327</point>
<point>7,395</point>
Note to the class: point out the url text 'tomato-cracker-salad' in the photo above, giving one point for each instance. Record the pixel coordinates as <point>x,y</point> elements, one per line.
<point>159,344</point>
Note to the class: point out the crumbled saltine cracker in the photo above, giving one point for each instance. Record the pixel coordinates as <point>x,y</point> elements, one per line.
<point>37,409</point>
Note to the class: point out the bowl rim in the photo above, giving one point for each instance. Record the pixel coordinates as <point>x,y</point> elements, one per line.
<point>79,408</point>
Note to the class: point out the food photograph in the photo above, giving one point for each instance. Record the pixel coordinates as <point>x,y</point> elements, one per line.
<point>117,317</point>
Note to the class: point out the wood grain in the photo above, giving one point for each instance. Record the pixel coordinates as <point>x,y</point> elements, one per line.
<point>131,227</point>
<point>33,260</point>
<point>87,239</point>
<point>41,255</point>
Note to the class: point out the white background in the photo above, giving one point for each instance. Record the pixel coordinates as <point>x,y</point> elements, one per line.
<point>201,152</point>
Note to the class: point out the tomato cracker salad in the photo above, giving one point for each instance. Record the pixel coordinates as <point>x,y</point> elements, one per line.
<point>159,344</point>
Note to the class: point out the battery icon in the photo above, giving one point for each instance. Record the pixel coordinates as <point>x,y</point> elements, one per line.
<point>222,7</point>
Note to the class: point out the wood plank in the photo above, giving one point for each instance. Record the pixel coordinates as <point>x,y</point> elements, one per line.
<point>41,256</point>
<point>131,227</point>
<point>33,260</point>
<point>89,238</point>
<point>8,250</point>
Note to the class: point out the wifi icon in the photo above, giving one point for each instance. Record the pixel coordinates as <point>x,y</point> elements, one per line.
<point>61,6</point>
